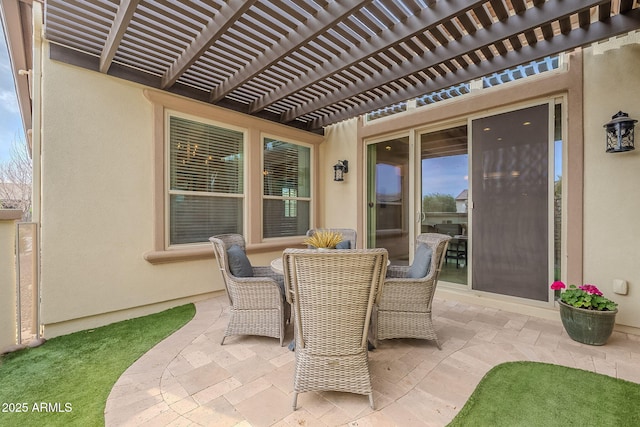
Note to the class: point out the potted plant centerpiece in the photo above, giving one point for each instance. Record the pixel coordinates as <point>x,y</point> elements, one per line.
<point>587,316</point>
<point>324,239</point>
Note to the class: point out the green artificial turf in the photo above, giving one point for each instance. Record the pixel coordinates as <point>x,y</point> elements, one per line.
<point>538,394</point>
<point>67,380</point>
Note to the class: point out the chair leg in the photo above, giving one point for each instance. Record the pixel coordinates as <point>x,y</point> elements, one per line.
<point>295,400</point>
<point>371,401</point>
<point>287,312</point>
<point>222,342</point>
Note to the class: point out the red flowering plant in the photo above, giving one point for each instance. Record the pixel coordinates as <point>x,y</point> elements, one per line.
<point>588,297</point>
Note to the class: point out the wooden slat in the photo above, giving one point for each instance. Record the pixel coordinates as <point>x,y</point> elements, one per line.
<point>525,24</point>
<point>499,9</point>
<point>437,34</point>
<point>425,41</point>
<point>483,17</point>
<point>547,31</point>
<point>626,6</point>
<point>414,47</point>
<point>519,6</point>
<point>413,26</point>
<point>515,42</point>
<point>403,54</point>
<point>311,63</point>
<point>324,20</point>
<point>336,41</point>
<point>604,11</point>
<point>380,15</point>
<point>118,28</point>
<point>584,19</point>
<point>372,28</point>
<point>531,38</point>
<point>500,47</point>
<point>619,24</point>
<point>398,13</point>
<point>348,36</point>
<point>467,24</point>
<point>451,28</point>
<point>565,25</point>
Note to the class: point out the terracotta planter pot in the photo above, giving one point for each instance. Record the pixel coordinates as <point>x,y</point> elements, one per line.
<point>587,326</point>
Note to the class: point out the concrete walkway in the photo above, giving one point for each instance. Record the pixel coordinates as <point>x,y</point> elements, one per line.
<point>189,379</point>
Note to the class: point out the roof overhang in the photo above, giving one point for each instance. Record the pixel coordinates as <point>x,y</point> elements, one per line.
<point>17,24</point>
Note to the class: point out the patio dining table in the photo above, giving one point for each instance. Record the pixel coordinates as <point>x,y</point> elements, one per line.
<point>276,266</point>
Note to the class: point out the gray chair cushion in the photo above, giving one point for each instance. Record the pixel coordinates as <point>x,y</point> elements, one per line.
<point>345,244</point>
<point>239,264</point>
<point>421,262</point>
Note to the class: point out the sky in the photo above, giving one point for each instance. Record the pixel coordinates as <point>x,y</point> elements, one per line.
<point>10,122</point>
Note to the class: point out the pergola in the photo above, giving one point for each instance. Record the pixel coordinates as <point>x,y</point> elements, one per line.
<point>312,63</point>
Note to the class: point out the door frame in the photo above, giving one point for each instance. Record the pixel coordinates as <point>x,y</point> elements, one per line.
<point>550,102</point>
<point>413,131</point>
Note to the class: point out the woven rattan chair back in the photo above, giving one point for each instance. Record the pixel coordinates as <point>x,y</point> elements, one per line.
<point>257,303</point>
<point>332,294</point>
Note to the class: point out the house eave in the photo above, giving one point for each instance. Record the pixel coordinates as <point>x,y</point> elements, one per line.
<point>17,25</point>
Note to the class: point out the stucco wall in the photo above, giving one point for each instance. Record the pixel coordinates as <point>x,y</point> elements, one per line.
<point>97,205</point>
<point>611,230</point>
<point>339,200</point>
<point>99,200</point>
<point>611,201</point>
<point>8,220</point>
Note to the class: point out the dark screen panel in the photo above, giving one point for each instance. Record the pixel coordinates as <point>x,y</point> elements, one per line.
<point>510,173</point>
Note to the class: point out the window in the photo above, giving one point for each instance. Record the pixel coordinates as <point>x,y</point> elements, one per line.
<point>286,188</point>
<point>289,202</point>
<point>206,185</point>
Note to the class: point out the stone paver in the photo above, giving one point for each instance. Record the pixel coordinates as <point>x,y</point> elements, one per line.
<point>189,379</point>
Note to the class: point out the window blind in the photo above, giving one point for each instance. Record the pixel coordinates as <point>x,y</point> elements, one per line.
<point>286,189</point>
<point>205,180</point>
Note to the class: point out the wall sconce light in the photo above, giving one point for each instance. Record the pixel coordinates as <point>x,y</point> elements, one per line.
<point>620,133</point>
<point>339,169</point>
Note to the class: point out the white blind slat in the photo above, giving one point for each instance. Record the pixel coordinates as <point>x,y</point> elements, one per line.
<point>205,161</point>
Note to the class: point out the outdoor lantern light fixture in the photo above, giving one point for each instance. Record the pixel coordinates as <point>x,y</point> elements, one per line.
<point>339,169</point>
<point>620,133</point>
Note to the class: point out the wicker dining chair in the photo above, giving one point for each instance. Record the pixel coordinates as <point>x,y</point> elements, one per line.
<point>258,305</point>
<point>348,235</point>
<point>403,305</point>
<point>332,294</point>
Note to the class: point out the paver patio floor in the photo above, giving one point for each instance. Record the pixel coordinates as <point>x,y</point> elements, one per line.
<point>189,379</point>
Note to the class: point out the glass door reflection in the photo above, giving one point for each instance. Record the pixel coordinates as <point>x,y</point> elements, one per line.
<point>388,222</point>
<point>444,204</point>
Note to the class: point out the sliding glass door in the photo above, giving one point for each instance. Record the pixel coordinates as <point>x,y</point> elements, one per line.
<point>444,195</point>
<point>388,198</point>
<point>489,184</point>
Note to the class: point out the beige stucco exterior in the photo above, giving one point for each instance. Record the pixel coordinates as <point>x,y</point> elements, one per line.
<point>611,201</point>
<point>8,218</point>
<point>339,200</point>
<point>97,204</point>
<point>101,257</point>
